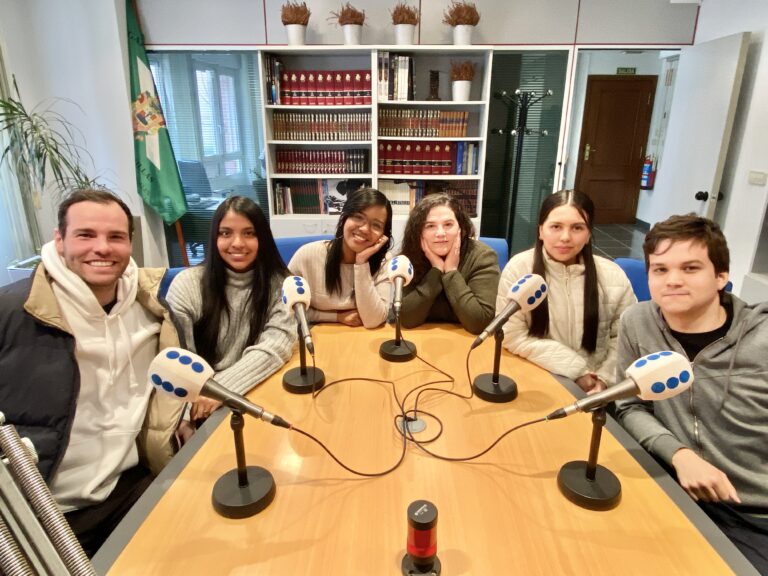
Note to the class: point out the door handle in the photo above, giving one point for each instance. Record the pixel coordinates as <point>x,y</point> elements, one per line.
<point>701,195</point>
<point>587,150</point>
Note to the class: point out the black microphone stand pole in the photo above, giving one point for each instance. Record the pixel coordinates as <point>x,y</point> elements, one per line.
<point>397,350</point>
<point>245,490</point>
<point>495,387</point>
<point>302,380</point>
<point>588,484</point>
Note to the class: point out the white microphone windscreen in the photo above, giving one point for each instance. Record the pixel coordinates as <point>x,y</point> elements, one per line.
<point>400,267</point>
<point>661,375</point>
<point>529,291</point>
<point>295,291</point>
<point>180,373</point>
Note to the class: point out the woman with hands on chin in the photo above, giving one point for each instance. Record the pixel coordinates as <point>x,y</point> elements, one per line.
<point>346,275</point>
<point>455,276</point>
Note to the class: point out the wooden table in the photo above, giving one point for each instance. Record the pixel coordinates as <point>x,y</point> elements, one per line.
<point>501,514</point>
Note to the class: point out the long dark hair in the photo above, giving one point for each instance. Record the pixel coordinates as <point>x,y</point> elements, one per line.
<point>540,316</point>
<point>357,201</point>
<point>267,266</point>
<point>415,226</point>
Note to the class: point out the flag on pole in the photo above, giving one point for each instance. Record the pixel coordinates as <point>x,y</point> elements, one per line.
<point>157,175</point>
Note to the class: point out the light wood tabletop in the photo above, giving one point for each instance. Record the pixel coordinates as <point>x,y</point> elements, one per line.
<point>500,514</point>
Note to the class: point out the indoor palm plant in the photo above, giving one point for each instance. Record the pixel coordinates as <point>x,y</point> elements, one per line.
<point>40,145</point>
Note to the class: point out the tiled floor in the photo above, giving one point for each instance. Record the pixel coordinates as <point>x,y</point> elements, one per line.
<point>618,241</point>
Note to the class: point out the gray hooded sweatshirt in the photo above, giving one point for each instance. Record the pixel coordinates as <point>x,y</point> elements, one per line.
<point>723,417</point>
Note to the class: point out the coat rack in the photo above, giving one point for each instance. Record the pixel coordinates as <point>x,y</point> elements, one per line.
<point>521,101</point>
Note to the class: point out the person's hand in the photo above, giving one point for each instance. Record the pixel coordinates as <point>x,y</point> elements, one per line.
<point>349,318</point>
<point>184,432</point>
<point>701,480</point>
<point>590,383</point>
<point>364,256</point>
<point>435,260</point>
<point>203,408</point>
<point>454,255</point>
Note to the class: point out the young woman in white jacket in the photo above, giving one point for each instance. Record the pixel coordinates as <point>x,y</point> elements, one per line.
<point>574,331</point>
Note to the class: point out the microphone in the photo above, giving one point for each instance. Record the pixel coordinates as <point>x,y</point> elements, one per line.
<point>400,272</point>
<point>186,376</point>
<point>525,295</point>
<point>296,295</point>
<point>656,376</point>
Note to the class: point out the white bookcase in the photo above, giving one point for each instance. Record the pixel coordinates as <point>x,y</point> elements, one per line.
<point>343,58</point>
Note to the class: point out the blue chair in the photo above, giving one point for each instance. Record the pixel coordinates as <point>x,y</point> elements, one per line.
<point>165,283</point>
<point>288,246</point>
<point>500,246</point>
<point>635,271</point>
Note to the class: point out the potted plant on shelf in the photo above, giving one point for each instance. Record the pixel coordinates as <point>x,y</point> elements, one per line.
<point>463,16</point>
<point>295,18</point>
<point>462,74</point>
<point>405,18</point>
<point>351,20</point>
<point>40,144</point>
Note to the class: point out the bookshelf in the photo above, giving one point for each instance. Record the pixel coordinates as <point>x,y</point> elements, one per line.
<point>324,138</point>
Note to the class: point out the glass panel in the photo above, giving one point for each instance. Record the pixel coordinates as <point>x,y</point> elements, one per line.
<point>230,132</point>
<point>207,109</point>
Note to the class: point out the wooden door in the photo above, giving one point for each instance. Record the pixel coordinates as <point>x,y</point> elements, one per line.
<point>614,132</point>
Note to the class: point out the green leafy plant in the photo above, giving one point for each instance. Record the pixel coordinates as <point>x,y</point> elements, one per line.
<point>40,143</point>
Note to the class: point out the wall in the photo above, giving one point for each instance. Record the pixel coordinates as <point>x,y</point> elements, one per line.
<point>742,211</point>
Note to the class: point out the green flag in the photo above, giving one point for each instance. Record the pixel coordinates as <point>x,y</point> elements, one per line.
<point>157,175</point>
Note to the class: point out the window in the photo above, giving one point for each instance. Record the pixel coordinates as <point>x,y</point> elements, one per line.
<point>211,103</point>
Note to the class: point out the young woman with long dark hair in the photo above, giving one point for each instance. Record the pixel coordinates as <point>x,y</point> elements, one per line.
<point>574,331</point>
<point>455,276</point>
<point>346,275</point>
<point>229,308</point>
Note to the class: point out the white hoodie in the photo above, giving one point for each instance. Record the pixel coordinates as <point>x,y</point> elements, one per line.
<point>113,353</point>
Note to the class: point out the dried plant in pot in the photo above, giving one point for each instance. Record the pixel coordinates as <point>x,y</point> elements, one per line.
<point>404,18</point>
<point>462,74</point>
<point>295,18</point>
<point>351,20</point>
<point>463,17</point>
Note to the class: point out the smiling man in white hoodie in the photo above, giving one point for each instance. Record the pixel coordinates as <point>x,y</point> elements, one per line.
<point>75,344</point>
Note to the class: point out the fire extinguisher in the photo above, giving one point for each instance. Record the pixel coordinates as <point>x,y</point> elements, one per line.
<point>649,173</point>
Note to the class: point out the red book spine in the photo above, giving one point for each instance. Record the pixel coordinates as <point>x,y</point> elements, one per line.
<point>407,159</point>
<point>358,87</point>
<point>303,95</point>
<point>434,164</point>
<point>367,87</point>
<point>321,94</point>
<point>418,159</point>
<point>311,88</point>
<point>338,88</point>
<point>348,87</point>
<point>446,159</point>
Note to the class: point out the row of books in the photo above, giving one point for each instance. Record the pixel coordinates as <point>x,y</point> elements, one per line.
<point>405,157</point>
<point>423,123</point>
<point>321,126</point>
<point>316,87</point>
<point>293,161</point>
<point>403,195</point>
<point>323,196</point>
<point>395,77</point>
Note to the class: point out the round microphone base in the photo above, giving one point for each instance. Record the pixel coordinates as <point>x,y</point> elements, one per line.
<point>602,493</point>
<point>234,501</point>
<point>413,426</point>
<point>409,568</point>
<point>390,350</point>
<point>505,390</point>
<point>297,383</point>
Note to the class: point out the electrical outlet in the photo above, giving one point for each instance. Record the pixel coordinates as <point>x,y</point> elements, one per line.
<point>757,178</point>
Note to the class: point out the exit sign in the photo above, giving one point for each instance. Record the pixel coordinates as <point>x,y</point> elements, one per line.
<point>629,71</point>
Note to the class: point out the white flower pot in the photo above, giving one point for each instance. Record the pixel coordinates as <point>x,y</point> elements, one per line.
<point>297,34</point>
<point>462,34</point>
<point>404,34</point>
<point>460,90</point>
<point>353,34</point>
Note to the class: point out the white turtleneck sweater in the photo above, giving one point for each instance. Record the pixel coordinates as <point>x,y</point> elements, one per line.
<point>241,367</point>
<point>113,352</point>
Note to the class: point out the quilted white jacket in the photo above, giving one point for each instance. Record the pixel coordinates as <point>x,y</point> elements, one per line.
<point>561,352</point>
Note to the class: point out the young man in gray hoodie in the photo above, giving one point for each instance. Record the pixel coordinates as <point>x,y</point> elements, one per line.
<point>714,435</point>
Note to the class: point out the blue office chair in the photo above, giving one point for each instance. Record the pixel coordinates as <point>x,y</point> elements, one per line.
<point>635,271</point>
<point>165,283</point>
<point>288,246</point>
<point>500,246</point>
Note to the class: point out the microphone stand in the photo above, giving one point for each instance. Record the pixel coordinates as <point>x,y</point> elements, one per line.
<point>495,387</point>
<point>245,490</point>
<point>303,380</point>
<point>397,350</point>
<point>587,484</point>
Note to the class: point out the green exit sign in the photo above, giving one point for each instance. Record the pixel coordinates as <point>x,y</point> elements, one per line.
<point>628,71</point>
